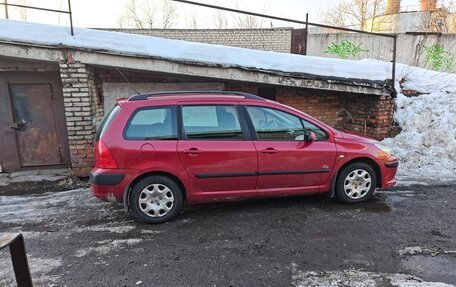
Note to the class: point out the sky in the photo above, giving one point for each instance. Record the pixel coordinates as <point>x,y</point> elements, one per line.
<point>106,13</point>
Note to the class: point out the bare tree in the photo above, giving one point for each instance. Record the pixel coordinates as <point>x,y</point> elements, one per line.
<point>243,21</point>
<point>354,13</point>
<point>60,16</point>
<point>168,14</point>
<point>219,19</point>
<point>246,22</point>
<point>191,19</point>
<point>147,14</point>
<point>23,12</point>
<point>447,11</point>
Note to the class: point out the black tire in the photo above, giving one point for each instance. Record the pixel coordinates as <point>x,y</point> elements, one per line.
<point>353,169</point>
<point>155,182</point>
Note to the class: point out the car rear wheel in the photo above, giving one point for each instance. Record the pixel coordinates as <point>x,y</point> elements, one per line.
<point>156,199</point>
<point>356,183</point>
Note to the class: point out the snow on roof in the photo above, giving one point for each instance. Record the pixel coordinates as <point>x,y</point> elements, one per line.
<point>190,52</point>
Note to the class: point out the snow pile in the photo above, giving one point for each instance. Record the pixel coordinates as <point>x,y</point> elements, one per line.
<point>426,146</point>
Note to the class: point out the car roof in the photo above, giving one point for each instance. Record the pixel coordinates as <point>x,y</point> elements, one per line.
<point>196,95</point>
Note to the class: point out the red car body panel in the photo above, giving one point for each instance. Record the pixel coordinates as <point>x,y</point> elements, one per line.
<point>250,168</point>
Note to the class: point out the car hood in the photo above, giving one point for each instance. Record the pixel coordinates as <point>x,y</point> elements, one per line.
<point>351,136</point>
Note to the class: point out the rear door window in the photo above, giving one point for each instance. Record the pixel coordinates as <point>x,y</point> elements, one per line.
<point>211,122</point>
<point>152,123</point>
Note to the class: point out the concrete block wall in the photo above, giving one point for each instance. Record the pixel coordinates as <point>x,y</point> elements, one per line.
<point>410,47</point>
<point>277,39</point>
<point>80,115</point>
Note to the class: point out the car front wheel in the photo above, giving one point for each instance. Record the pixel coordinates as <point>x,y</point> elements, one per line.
<point>156,199</point>
<point>356,183</point>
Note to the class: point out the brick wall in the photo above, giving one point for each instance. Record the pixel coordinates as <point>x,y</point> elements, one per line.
<point>278,39</point>
<point>80,113</point>
<point>371,115</point>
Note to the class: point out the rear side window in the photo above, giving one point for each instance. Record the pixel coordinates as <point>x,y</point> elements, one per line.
<point>211,122</point>
<point>158,123</point>
<point>106,120</point>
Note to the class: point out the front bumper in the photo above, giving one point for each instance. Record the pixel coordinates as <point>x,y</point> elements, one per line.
<point>389,170</point>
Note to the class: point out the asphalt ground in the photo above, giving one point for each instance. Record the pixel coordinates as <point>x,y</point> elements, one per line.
<point>402,237</point>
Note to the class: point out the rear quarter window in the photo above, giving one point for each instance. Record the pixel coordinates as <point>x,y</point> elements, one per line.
<point>106,121</point>
<point>152,123</point>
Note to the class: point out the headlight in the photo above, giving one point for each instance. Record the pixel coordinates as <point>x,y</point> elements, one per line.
<point>385,150</point>
<point>383,147</point>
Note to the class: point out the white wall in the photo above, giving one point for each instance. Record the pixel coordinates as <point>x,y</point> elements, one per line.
<point>409,47</point>
<point>113,91</point>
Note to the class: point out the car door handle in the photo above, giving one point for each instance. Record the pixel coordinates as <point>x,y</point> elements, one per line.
<point>269,150</point>
<point>192,150</point>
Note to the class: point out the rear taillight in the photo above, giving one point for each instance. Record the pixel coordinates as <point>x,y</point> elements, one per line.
<point>103,158</point>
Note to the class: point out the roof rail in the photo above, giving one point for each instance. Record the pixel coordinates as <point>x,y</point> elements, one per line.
<point>145,96</point>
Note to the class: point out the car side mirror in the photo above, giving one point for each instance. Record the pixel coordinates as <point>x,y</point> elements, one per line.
<point>309,136</point>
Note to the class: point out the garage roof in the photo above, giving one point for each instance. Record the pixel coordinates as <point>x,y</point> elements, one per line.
<point>192,53</point>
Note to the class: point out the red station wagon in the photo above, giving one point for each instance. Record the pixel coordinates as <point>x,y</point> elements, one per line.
<point>155,151</point>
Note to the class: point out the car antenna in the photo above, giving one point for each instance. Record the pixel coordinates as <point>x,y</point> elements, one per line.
<point>131,86</point>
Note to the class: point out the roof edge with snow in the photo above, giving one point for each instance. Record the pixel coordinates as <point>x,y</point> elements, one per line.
<point>366,73</point>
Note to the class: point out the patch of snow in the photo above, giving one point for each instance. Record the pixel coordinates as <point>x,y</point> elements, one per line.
<point>357,278</point>
<point>413,250</point>
<point>39,269</point>
<point>46,207</point>
<point>106,246</point>
<point>106,228</point>
<point>147,231</point>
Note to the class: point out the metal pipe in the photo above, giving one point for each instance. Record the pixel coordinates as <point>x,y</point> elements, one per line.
<point>71,17</point>
<point>281,18</point>
<point>306,34</point>
<point>393,6</point>
<point>6,9</point>
<point>6,4</point>
<point>393,70</point>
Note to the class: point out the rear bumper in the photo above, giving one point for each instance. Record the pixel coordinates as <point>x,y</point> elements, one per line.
<point>106,178</point>
<point>110,184</point>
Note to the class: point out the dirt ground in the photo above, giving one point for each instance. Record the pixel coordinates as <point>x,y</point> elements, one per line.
<point>402,237</point>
